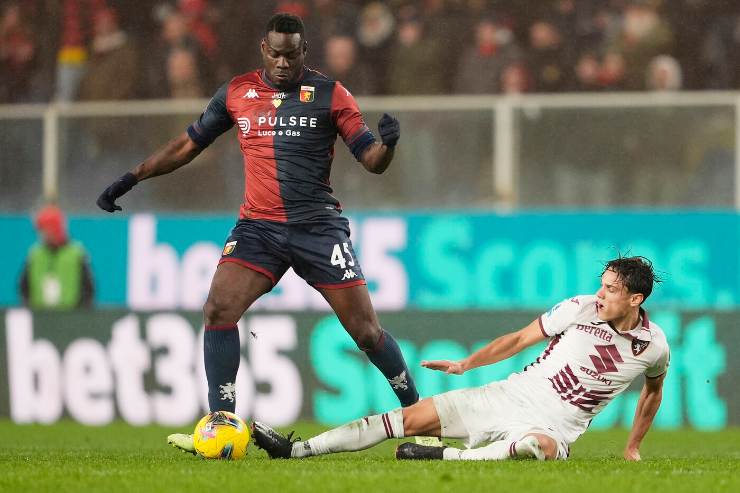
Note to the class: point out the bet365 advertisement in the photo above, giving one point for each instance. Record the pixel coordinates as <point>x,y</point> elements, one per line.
<point>146,367</point>
<point>424,261</point>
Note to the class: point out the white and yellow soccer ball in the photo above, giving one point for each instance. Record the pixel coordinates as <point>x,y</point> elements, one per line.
<point>221,435</point>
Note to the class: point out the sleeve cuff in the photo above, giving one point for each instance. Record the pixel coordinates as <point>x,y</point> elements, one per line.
<point>201,141</point>
<point>656,376</point>
<point>361,143</point>
<point>542,327</point>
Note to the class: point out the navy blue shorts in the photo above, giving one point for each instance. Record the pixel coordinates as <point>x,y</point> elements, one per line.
<point>319,251</point>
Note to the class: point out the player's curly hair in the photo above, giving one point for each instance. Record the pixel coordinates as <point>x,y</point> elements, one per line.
<point>285,23</point>
<point>636,273</point>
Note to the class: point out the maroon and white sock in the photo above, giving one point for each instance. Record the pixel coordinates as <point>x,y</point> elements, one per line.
<point>357,435</point>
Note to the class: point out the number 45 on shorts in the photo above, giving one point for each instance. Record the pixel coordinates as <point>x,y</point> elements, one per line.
<point>337,257</point>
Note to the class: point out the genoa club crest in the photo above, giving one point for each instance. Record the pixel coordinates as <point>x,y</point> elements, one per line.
<point>307,94</point>
<point>229,247</point>
<point>639,346</point>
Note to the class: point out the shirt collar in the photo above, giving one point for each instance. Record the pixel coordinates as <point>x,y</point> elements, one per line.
<point>266,80</point>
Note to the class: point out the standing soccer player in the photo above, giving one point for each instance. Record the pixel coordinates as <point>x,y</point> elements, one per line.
<point>288,119</point>
<point>598,345</point>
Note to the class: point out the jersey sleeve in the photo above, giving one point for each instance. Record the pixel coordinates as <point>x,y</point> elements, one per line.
<point>661,363</point>
<point>557,319</point>
<point>349,121</point>
<point>214,120</point>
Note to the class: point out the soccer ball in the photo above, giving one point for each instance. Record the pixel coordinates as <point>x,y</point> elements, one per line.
<point>221,435</point>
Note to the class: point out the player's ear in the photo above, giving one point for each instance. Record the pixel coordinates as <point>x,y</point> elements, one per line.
<point>305,46</point>
<point>636,299</point>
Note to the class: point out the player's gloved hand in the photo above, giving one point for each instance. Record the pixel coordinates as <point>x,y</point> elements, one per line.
<point>389,129</point>
<point>107,199</point>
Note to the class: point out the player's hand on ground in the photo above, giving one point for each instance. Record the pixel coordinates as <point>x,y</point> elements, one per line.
<point>389,129</point>
<point>107,199</point>
<point>449,367</point>
<point>632,454</point>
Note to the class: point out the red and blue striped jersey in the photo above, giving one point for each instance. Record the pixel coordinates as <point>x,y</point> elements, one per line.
<point>287,140</point>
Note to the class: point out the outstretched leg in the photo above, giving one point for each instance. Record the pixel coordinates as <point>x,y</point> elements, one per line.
<point>421,418</point>
<point>355,311</point>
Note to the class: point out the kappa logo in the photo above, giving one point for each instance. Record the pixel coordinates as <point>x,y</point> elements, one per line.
<point>229,248</point>
<point>228,391</point>
<point>605,361</point>
<point>251,94</point>
<point>244,124</point>
<point>348,274</point>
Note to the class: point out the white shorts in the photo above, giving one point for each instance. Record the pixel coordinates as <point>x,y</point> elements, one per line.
<point>489,414</point>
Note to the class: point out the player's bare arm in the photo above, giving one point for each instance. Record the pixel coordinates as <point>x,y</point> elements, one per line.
<point>497,350</point>
<point>647,407</point>
<point>378,156</point>
<point>175,154</point>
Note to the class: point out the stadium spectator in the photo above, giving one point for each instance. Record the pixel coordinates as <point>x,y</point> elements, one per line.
<point>720,53</point>
<point>482,64</point>
<point>175,37</point>
<point>414,66</point>
<point>240,28</point>
<point>612,72</point>
<point>18,55</point>
<point>73,53</point>
<point>375,34</point>
<point>664,74</point>
<point>330,18</point>
<point>113,68</point>
<point>554,35</point>
<point>196,14</point>
<point>598,345</point>
<point>289,217</point>
<point>448,22</point>
<point>644,35</point>
<point>515,79</point>
<point>587,73</point>
<point>57,272</point>
<point>341,63</point>
<point>548,61</point>
<point>183,76</point>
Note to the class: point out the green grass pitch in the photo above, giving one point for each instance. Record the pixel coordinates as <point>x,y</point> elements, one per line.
<point>70,457</point>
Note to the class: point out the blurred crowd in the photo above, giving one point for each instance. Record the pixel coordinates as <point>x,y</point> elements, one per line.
<point>69,50</point>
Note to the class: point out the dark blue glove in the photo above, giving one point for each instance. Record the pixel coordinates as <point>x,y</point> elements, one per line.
<point>107,199</point>
<point>389,129</point>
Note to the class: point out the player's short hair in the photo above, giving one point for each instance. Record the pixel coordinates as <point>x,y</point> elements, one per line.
<point>636,273</point>
<point>285,23</point>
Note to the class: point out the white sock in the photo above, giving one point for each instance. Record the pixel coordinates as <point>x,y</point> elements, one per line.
<point>357,435</point>
<point>501,450</point>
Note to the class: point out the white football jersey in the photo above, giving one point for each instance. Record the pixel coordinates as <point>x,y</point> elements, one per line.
<point>586,364</point>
